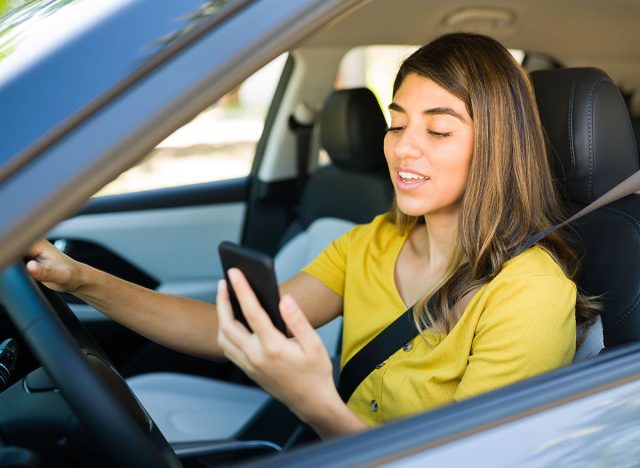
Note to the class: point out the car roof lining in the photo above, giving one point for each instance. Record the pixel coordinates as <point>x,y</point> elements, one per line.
<point>596,31</point>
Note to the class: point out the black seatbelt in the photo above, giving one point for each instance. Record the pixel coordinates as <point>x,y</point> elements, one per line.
<point>403,329</point>
<point>301,123</point>
<point>384,344</point>
<point>628,186</point>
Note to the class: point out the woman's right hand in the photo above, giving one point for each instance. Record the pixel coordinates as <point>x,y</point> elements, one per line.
<point>53,268</point>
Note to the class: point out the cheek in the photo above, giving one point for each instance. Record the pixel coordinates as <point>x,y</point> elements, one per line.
<point>388,152</point>
<point>465,160</point>
<point>455,156</point>
<point>464,166</point>
<point>465,153</point>
<point>387,148</point>
<point>456,164</point>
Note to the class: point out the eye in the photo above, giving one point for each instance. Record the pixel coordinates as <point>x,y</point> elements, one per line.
<point>394,129</point>
<point>438,134</point>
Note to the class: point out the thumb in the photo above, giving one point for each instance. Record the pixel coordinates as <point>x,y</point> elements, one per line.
<point>34,269</point>
<point>55,273</point>
<point>299,326</point>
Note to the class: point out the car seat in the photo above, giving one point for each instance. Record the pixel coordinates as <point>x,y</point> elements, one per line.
<point>593,149</point>
<point>352,189</point>
<point>356,185</point>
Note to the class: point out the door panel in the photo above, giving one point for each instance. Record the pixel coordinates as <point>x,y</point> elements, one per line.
<point>170,236</point>
<point>176,246</point>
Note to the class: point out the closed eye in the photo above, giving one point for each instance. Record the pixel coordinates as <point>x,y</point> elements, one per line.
<point>438,134</point>
<point>394,129</point>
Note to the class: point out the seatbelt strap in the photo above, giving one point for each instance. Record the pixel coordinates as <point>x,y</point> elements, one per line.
<point>384,344</point>
<point>628,186</point>
<point>403,329</point>
<point>301,123</point>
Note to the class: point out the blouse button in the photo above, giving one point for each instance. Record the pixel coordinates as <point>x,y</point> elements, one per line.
<point>373,405</point>
<point>407,346</point>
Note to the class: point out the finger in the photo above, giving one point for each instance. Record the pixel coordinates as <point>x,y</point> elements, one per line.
<point>34,269</point>
<point>299,326</point>
<point>36,249</point>
<point>235,354</point>
<point>223,304</point>
<point>234,331</point>
<point>41,271</point>
<point>241,345</point>
<point>256,316</point>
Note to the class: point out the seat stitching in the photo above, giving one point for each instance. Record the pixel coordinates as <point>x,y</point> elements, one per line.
<point>570,129</point>
<point>636,302</point>
<point>590,133</point>
<point>622,213</point>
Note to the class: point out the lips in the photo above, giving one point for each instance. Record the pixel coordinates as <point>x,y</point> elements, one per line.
<point>409,179</point>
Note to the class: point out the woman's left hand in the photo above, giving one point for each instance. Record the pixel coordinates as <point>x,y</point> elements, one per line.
<point>297,370</point>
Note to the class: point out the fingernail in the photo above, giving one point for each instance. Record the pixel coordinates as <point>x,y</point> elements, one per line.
<point>233,274</point>
<point>221,284</point>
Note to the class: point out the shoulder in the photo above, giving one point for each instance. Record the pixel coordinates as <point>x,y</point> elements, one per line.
<point>535,261</point>
<point>531,280</point>
<point>534,284</point>
<point>380,230</point>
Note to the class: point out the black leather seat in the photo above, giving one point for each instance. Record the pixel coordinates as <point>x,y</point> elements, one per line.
<point>635,124</point>
<point>356,185</point>
<point>593,148</point>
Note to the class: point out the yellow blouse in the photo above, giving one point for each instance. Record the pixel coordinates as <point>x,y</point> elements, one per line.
<point>520,324</point>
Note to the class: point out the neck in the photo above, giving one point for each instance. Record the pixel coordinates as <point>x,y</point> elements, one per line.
<point>436,238</point>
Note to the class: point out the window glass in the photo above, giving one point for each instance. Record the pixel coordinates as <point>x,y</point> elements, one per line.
<point>375,67</point>
<point>218,144</point>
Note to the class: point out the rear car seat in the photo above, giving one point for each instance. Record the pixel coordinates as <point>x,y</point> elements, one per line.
<point>354,188</point>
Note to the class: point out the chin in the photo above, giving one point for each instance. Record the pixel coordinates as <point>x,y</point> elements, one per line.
<point>412,209</point>
<point>418,208</point>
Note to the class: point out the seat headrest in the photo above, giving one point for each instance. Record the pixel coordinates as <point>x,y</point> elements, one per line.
<point>587,122</point>
<point>352,130</point>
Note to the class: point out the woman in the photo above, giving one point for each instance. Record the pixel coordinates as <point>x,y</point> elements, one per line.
<point>466,155</point>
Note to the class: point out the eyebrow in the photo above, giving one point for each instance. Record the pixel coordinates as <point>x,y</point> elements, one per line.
<point>433,111</point>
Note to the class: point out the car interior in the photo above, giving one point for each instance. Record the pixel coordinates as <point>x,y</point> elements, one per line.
<point>293,203</point>
<point>357,173</point>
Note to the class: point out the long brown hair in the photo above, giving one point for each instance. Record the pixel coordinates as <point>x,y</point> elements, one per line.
<point>510,194</point>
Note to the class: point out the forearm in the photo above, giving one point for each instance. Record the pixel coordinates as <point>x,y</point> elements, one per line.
<point>332,417</point>
<point>179,323</point>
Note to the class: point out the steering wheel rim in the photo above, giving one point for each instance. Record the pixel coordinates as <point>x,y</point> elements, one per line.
<point>91,386</point>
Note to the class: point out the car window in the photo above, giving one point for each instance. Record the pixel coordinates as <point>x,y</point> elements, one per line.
<point>218,144</point>
<point>36,36</point>
<point>375,67</point>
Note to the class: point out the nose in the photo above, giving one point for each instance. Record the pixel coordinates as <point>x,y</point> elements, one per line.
<point>406,145</point>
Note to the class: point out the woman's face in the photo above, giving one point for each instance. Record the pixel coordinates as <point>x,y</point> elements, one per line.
<point>428,147</point>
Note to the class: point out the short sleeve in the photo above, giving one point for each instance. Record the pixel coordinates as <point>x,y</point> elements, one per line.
<point>330,266</point>
<point>527,327</point>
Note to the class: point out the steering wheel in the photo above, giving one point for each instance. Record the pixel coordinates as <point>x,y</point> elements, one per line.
<point>90,384</point>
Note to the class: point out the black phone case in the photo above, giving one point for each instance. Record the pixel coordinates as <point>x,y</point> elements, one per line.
<point>257,267</point>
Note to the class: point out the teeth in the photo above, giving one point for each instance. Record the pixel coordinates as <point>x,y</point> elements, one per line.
<point>410,176</point>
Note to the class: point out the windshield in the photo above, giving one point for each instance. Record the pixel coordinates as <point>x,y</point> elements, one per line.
<point>59,56</point>
<point>31,29</point>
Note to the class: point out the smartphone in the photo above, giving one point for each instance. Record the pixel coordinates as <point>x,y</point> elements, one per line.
<point>257,267</point>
